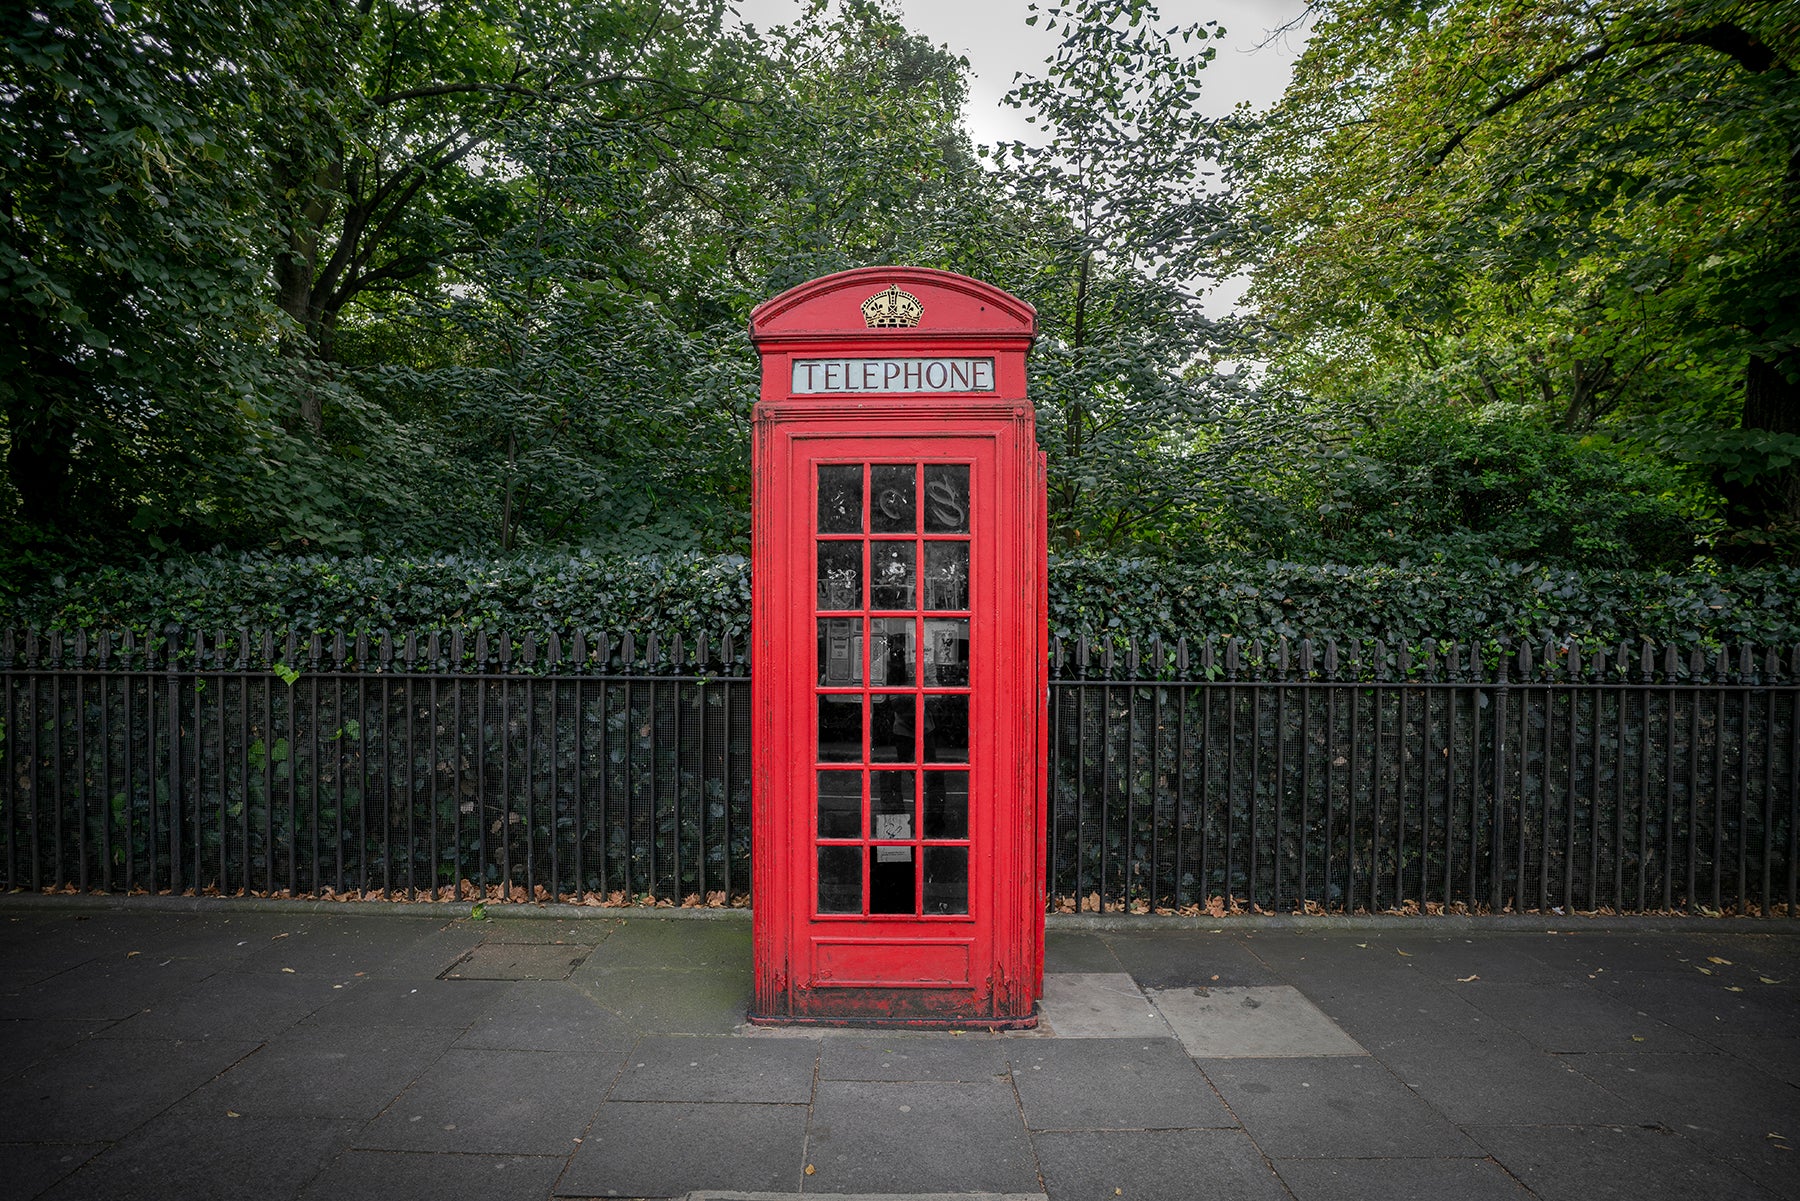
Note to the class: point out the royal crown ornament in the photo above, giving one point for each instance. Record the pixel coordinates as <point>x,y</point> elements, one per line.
<point>892,308</point>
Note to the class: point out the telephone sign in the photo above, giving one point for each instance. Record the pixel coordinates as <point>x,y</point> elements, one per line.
<point>899,666</point>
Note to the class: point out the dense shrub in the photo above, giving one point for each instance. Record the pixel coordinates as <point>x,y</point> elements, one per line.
<point>1089,596</point>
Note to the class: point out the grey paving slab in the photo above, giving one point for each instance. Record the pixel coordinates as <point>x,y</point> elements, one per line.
<point>111,987</point>
<point>719,1068</point>
<point>1717,1101</point>
<point>650,942</point>
<point>495,1103</point>
<point>347,1072</point>
<point>1597,1163</point>
<point>30,1168</point>
<point>1772,1056</point>
<point>918,1137</point>
<point>1078,951</point>
<point>548,1016</point>
<point>690,1001</point>
<point>414,1003</point>
<point>426,956</point>
<point>521,931</point>
<point>1707,1006</point>
<point>1335,1107</point>
<point>1167,1165</point>
<point>668,1149</point>
<point>1271,1020</point>
<point>105,1089</point>
<point>1098,1005</point>
<point>1498,958</point>
<point>1113,1084</point>
<point>262,1005</point>
<point>24,1041</point>
<point>416,1176</point>
<point>191,1157</point>
<point>520,961</point>
<point>1486,1075</point>
<point>903,1056</point>
<point>1399,1180</point>
<point>1176,958</point>
<point>340,947</point>
<point>1573,1017</point>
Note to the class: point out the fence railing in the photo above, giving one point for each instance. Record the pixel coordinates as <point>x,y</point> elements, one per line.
<point>1210,777</point>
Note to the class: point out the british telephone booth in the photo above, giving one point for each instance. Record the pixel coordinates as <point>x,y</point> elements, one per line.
<point>899,656</point>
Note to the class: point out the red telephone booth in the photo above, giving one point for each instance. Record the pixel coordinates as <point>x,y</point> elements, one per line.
<point>899,657</point>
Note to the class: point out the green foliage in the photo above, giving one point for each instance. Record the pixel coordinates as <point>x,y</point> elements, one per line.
<point>1436,484</point>
<point>1588,209</point>
<point>1090,596</point>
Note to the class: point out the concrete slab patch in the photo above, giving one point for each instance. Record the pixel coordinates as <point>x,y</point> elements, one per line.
<point>914,1058</point>
<point>1578,1163</point>
<point>520,961</point>
<point>1098,1005</point>
<point>208,1157</point>
<point>1261,1021</point>
<point>495,1103</point>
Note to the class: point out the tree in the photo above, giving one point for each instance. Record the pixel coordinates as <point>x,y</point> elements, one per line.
<point>1587,206</point>
<point>1142,433</point>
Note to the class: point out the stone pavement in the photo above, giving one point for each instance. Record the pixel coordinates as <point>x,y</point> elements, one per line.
<point>317,1052</point>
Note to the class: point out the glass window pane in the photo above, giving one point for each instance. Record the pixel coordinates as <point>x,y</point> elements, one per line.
<point>840,879</point>
<point>947,498</point>
<point>891,569</point>
<point>840,498</point>
<point>840,804</point>
<point>946,804</point>
<point>891,500</point>
<point>947,729</point>
<point>840,729</point>
<point>946,575</point>
<point>893,652</point>
<point>840,575</point>
<point>891,880</point>
<point>840,651</point>
<point>893,730</point>
<point>946,652</point>
<point>946,879</point>
<point>891,804</point>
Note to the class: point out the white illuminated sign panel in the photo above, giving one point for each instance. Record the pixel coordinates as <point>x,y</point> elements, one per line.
<point>893,375</point>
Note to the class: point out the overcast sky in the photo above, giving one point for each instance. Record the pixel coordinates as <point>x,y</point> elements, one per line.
<point>993,36</point>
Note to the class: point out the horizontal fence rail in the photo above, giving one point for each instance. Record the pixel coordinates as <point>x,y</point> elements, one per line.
<point>1206,777</point>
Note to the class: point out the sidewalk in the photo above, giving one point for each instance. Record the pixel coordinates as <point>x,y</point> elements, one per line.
<point>232,1054</point>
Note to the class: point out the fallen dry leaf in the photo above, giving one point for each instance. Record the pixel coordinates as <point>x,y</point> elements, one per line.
<point>1734,988</point>
<point>1470,978</point>
<point>232,1113</point>
<point>810,1169</point>
<point>132,954</point>
<point>1766,980</point>
<point>276,937</point>
<point>1716,959</point>
<point>1637,1038</point>
<point>1704,971</point>
<point>1398,951</point>
<point>288,970</point>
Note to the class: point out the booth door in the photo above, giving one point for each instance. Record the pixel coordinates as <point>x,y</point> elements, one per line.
<point>905,621</point>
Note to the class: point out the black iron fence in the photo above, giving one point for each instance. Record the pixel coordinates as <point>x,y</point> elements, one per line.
<point>1210,777</point>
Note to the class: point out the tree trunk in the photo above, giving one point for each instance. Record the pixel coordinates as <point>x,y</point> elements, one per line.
<point>1766,508</point>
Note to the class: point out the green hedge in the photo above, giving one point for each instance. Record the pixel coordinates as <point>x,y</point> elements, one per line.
<point>1089,596</point>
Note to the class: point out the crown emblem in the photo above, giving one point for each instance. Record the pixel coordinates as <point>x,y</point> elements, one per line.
<point>891,308</point>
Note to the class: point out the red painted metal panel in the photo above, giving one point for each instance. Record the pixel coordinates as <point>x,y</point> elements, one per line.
<point>900,677</point>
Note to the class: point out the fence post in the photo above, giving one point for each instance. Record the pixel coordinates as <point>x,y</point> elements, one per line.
<point>1497,863</point>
